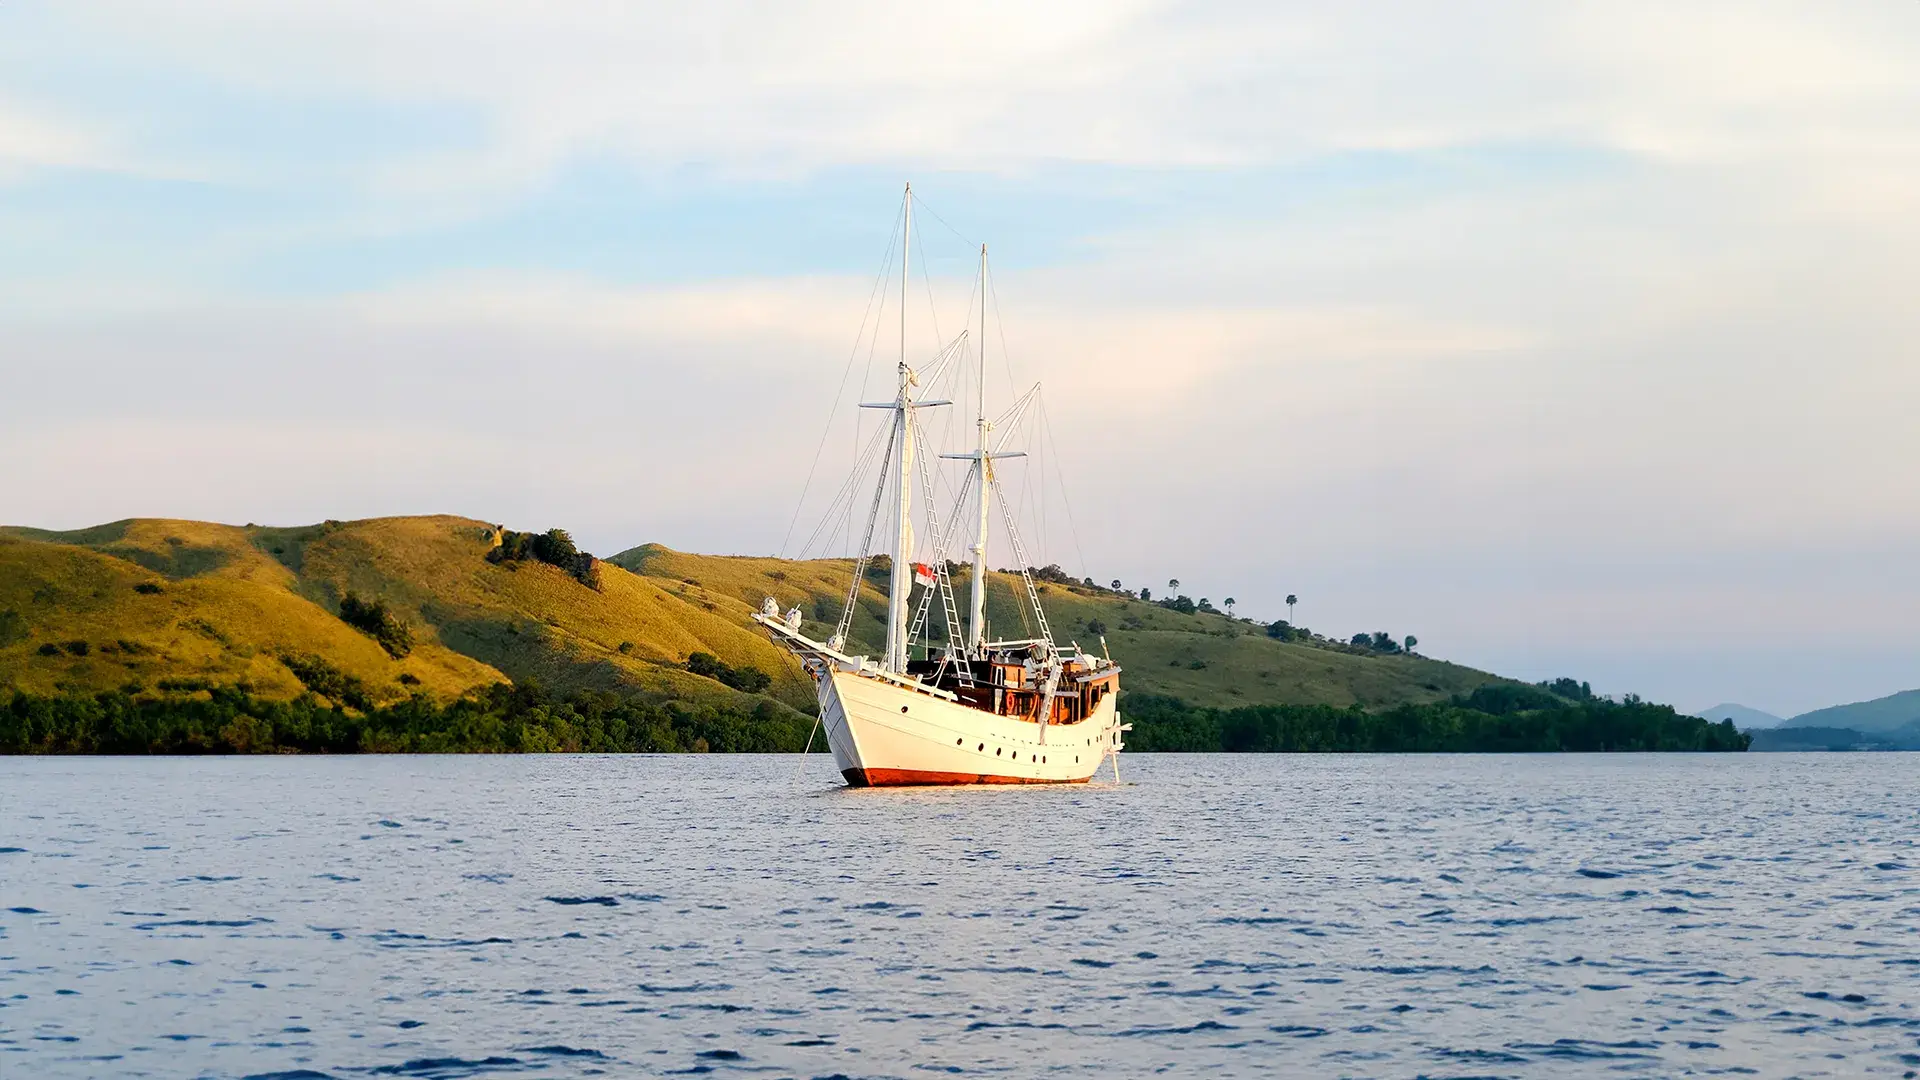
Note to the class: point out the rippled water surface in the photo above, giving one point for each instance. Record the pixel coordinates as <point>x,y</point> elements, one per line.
<point>442,917</point>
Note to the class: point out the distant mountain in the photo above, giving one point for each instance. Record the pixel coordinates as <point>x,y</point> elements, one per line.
<point>1804,739</point>
<point>1744,718</point>
<point>1887,714</point>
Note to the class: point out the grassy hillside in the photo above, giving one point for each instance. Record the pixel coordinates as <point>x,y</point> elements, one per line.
<point>1206,660</point>
<point>142,602</point>
<point>139,602</point>
<point>174,606</point>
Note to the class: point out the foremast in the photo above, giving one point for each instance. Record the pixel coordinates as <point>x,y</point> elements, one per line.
<point>903,440</point>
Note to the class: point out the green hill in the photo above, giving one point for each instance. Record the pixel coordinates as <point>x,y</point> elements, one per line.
<point>156,606</point>
<point>1203,659</point>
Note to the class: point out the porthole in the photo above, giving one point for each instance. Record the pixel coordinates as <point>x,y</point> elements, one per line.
<point>957,742</point>
<point>1043,759</point>
<point>903,708</point>
<point>983,746</point>
<point>996,751</point>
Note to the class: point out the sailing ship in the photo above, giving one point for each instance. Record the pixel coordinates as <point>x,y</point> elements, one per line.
<point>968,709</point>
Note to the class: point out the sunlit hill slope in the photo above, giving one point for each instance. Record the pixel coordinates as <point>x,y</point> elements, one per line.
<point>172,607</point>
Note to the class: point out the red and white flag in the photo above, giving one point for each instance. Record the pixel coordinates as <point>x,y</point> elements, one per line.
<point>923,574</point>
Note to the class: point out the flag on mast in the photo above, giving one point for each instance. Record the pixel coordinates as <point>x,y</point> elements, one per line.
<point>923,575</point>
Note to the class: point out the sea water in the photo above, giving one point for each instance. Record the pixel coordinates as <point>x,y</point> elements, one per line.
<point>450,917</point>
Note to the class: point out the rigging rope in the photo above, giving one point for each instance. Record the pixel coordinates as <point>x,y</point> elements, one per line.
<point>852,354</point>
<point>845,494</point>
<point>866,545</point>
<point>922,204</point>
<point>1046,425</point>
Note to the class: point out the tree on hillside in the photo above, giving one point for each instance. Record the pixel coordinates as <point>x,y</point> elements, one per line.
<point>1173,584</point>
<point>1384,642</point>
<point>1116,584</point>
<point>1229,607</point>
<point>1570,688</point>
<point>555,547</point>
<point>1146,593</point>
<point>1291,600</point>
<point>372,618</point>
<point>1411,642</point>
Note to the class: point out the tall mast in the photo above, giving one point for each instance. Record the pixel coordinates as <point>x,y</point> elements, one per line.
<point>902,583</point>
<point>983,479</point>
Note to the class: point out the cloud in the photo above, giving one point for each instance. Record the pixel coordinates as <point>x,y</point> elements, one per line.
<point>749,89</point>
<point>31,138</point>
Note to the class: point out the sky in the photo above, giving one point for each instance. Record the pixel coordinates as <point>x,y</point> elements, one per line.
<point>1573,338</point>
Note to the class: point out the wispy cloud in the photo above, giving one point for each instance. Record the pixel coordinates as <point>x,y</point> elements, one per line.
<point>801,87</point>
<point>33,138</point>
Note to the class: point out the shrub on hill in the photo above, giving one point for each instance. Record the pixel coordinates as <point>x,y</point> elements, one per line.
<point>323,678</point>
<point>749,680</point>
<point>1572,689</point>
<point>1506,699</point>
<point>554,547</point>
<point>372,618</point>
<point>1052,573</point>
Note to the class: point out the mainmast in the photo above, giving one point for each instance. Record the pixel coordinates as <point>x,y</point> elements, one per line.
<point>902,583</point>
<point>983,479</point>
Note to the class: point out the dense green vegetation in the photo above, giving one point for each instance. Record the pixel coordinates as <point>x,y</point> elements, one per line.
<point>1501,718</point>
<point>500,719</point>
<point>189,718</point>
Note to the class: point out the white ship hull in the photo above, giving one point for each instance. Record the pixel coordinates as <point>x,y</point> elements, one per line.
<point>886,735</point>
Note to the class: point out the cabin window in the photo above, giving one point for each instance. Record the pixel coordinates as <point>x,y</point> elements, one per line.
<point>957,742</point>
<point>996,751</point>
<point>983,746</point>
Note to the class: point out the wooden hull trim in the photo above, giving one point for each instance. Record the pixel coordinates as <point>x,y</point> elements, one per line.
<point>925,778</point>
